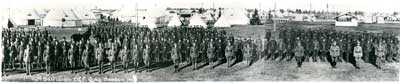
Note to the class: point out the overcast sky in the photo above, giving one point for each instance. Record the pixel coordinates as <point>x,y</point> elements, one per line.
<point>337,5</point>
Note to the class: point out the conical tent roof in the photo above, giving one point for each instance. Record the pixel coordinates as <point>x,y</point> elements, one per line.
<point>148,22</point>
<point>20,16</point>
<point>207,16</point>
<point>174,22</point>
<point>195,21</point>
<point>58,14</point>
<point>85,14</point>
<point>223,21</point>
<point>55,16</point>
<point>5,19</point>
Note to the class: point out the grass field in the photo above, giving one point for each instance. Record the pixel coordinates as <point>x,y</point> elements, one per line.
<point>259,71</point>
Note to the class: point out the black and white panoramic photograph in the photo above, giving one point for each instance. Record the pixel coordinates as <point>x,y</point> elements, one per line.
<point>200,41</point>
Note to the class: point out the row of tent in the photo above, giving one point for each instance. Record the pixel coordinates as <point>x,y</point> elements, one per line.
<point>79,17</point>
<point>54,17</point>
<point>149,18</point>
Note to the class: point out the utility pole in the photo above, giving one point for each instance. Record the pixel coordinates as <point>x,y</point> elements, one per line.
<point>273,20</point>
<point>137,15</point>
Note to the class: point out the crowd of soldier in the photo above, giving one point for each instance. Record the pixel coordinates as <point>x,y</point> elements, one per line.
<point>142,48</point>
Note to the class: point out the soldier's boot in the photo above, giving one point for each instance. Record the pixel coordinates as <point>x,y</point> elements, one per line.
<point>86,70</point>
<point>101,68</point>
<point>348,57</point>
<point>195,65</point>
<point>3,71</point>
<point>113,67</point>
<point>378,63</point>
<point>396,58</point>
<point>310,58</point>
<point>228,64</point>
<point>366,58</point>
<point>389,58</point>
<point>321,58</point>
<point>29,68</point>
<point>334,65</point>
<point>13,64</point>
<point>125,67</point>
<point>21,65</point>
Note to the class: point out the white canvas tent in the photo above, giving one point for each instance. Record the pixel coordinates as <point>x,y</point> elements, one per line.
<point>6,21</point>
<point>196,22</point>
<point>23,17</point>
<point>61,17</point>
<point>206,17</point>
<point>174,22</point>
<point>86,16</point>
<point>223,21</point>
<point>148,22</point>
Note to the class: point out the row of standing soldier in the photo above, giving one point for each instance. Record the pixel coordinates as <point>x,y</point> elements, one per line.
<point>133,45</point>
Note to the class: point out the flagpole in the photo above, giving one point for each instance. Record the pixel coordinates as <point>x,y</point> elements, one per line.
<point>137,15</point>
<point>273,20</point>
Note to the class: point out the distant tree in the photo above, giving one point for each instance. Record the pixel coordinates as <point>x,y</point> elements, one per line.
<point>255,20</point>
<point>298,11</point>
<point>281,10</point>
<point>395,13</point>
<point>169,8</point>
<point>201,10</point>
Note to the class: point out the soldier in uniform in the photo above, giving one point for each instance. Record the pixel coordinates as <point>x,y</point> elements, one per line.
<point>272,49</point>
<point>398,51</point>
<point>358,53</point>
<point>113,56</point>
<point>27,58</point>
<point>335,53</point>
<point>193,55</point>
<point>247,54</point>
<point>324,50</point>
<point>71,56</point>
<point>146,57</point>
<point>259,47</point>
<point>316,49</point>
<point>21,53</point>
<point>210,53</point>
<point>100,56</point>
<point>64,53</point>
<point>175,57</point>
<point>86,57</point>
<point>380,53</point>
<point>5,57</point>
<point>368,50</point>
<point>125,59</point>
<point>13,53</point>
<point>40,48</point>
<point>46,58</point>
<point>391,51</point>
<point>299,53</point>
<point>135,56</point>
<point>229,53</point>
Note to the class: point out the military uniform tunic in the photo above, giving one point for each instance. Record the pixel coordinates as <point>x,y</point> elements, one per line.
<point>358,52</point>
<point>380,51</point>
<point>334,51</point>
